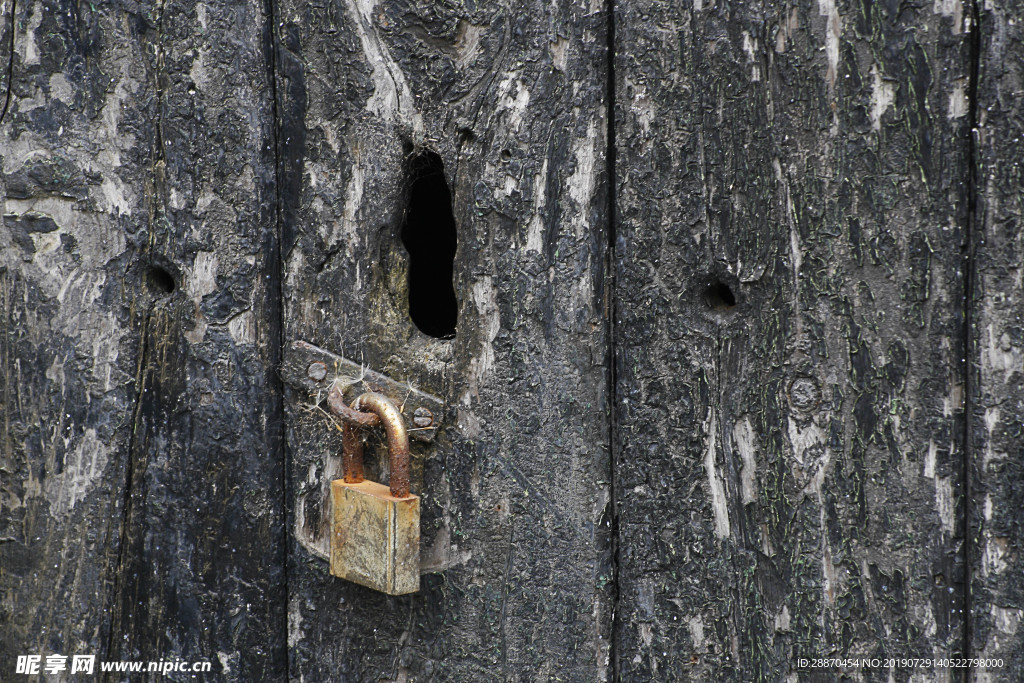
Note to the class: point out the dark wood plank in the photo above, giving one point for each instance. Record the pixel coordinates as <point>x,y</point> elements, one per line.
<point>74,155</point>
<point>141,400</point>
<point>792,198</point>
<point>202,567</point>
<point>509,96</point>
<point>997,349</point>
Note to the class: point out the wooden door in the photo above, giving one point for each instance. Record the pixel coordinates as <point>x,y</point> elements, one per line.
<point>721,302</point>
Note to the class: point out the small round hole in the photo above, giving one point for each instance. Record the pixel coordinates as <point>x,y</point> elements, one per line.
<point>160,280</point>
<point>506,155</point>
<point>719,295</point>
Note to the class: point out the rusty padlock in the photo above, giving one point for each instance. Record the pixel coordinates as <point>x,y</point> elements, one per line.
<point>375,535</point>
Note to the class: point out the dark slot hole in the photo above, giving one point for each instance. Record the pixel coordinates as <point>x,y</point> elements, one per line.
<point>160,280</point>
<point>719,295</point>
<point>430,238</point>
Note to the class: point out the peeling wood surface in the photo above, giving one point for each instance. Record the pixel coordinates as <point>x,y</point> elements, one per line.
<point>789,468</point>
<point>72,203</point>
<point>810,441</point>
<point>68,350</point>
<point>996,351</point>
<point>510,95</point>
<point>143,507</point>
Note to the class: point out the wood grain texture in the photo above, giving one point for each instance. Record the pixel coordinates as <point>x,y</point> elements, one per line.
<point>201,568</point>
<point>997,348</point>
<point>73,187</point>
<point>515,487</point>
<point>142,463</point>
<point>816,267</point>
<point>789,468</point>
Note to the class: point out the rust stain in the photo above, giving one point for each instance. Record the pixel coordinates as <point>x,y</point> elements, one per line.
<point>358,418</point>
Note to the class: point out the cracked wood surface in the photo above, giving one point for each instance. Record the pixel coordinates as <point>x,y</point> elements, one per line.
<point>515,489</point>
<point>794,471</point>
<point>143,508</point>
<point>790,473</point>
<point>996,352</point>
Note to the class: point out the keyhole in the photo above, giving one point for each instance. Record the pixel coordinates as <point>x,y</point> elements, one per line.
<point>430,238</point>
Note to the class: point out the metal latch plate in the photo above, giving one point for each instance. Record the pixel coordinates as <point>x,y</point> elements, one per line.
<point>316,370</point>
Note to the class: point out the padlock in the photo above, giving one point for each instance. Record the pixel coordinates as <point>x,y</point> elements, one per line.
<point>375,535</point>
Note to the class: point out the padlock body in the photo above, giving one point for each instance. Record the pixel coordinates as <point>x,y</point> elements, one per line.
<point>375,538</point>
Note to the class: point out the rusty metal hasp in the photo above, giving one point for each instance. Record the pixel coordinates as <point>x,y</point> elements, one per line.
<point>374,530</point>
<point>340,380</point>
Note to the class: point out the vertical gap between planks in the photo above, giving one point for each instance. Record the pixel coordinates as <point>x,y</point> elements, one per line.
<point>275,270</point>
<point>10,62</point>
<point>969,265</point>
<point>611,294</point>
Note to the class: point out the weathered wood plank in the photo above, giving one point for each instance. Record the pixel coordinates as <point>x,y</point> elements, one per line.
<point>74,154</point>
<point>509,96</point>
<point>792,198</point>
<point>997,348</point>
<point>142,450</point>
<point>201,571</point>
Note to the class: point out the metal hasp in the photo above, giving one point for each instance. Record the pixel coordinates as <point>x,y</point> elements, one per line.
<point>317,371</point>
<point>375,536</point>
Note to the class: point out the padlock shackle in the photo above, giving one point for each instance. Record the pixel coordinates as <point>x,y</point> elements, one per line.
<point>351,452</point>
<point>398,443</point>
<point>336,402</point>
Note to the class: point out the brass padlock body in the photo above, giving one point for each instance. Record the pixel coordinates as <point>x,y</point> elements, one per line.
<point>375,529</point>
<point>376,537</point>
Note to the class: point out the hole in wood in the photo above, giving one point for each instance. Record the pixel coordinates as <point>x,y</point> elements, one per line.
<point>429,236</point>
<point>719,295</point>
<point>160,280</point>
